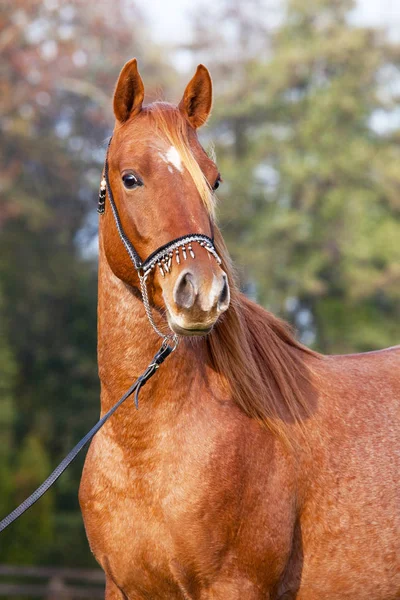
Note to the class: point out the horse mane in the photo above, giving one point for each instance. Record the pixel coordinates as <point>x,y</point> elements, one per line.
<point>260,362</point>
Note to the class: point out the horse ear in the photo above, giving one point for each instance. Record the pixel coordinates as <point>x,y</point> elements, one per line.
<point>129,93</point>
<point>197,99</point>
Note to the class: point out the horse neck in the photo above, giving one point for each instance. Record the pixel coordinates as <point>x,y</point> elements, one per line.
<point>127,343</point>
<point>124,341</point>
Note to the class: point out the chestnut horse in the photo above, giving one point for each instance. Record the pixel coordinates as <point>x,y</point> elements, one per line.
<point>254,467</point>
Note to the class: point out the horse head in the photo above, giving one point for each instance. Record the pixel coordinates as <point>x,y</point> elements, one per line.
<point>163,185</point>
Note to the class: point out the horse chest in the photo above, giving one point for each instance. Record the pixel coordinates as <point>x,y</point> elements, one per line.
<point>181,524</point>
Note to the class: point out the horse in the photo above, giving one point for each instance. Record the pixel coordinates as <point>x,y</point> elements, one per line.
<point>255,468</point>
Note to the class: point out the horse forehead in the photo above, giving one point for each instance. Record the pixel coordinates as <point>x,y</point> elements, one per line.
<point>150,151</point>
<point>172,158</point>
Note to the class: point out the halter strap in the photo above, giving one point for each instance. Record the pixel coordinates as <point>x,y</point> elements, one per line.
<point>134,256</point>
<point>162,257</point>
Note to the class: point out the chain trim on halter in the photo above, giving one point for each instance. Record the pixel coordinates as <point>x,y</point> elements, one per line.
<point>147,308</point>
<point>161,258</point>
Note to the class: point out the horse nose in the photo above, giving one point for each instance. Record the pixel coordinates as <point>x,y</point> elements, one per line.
<point>224,297</point>
<point>188,291</point>
<point>185,290</point>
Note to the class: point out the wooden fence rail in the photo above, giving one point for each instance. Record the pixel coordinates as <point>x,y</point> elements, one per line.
<point>50,583</point>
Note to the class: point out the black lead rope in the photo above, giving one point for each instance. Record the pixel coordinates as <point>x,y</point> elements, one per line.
<point>158,359</point>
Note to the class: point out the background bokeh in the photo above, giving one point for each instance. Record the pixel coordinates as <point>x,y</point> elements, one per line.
<point>306,129</point>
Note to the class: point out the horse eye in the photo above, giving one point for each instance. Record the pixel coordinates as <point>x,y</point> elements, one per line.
<point>217,183</point>
<point>130,181</point>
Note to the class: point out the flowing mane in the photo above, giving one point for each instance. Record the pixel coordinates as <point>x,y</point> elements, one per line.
<point>259,359</point>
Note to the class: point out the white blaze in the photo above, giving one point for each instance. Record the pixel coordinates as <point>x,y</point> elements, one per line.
<point>172,157</point>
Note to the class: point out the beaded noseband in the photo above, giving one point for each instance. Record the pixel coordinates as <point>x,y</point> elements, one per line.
<point>161,258</point>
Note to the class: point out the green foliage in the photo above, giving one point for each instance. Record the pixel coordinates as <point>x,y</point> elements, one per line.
<point>312,202</point>
<point>24,542</point>
<point>7,413</point>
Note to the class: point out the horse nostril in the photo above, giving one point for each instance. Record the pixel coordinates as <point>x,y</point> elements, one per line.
<point>223,300</point>
<point>184,291</point>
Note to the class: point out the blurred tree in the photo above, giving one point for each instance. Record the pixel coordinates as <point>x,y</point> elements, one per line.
<point>60,61</point>
<point>29,535</point>
<point>306,130</point>
<point>7,412</point>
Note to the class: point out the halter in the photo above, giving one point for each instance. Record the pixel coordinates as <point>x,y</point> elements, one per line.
<point>162,258</point>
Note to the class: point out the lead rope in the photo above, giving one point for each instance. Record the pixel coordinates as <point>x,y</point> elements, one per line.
<point>158,359</point>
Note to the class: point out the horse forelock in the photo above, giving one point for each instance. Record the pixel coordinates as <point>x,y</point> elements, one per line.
<point>172,126</point>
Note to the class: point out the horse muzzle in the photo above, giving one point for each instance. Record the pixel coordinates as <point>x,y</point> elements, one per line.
<point>198,300</point>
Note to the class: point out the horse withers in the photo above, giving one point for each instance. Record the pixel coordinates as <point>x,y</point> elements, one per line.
<point>254,468</point>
